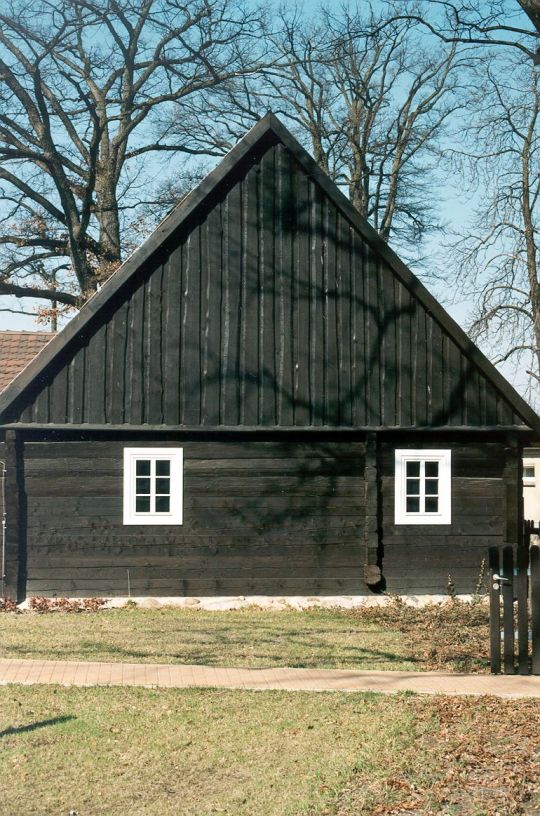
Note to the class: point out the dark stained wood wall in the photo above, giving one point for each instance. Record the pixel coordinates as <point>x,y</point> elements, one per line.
<point>259,518</point>
<point>2,459</point>
<point>2,486</point>
<point>419,559</point>
<point>268,309</point>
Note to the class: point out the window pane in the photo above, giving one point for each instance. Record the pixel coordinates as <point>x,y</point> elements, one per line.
<point>413,505</point>
<point>143,467</point>
<point>528,472</point>
<point>432,469</point>
<point>163,486</point>
<point>413,487</point>
<point>432,505</point>
<point>163,467</point>
<point>142,504</point>
<point>142,486</point>
<point>432,487</point>
<point>163,504</point>
<point>413,468</point>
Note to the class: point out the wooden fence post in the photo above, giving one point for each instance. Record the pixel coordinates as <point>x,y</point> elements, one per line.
<point>535,607</point>
<point>522,562</point>
<point>494,612</point>
<point>508,608</point>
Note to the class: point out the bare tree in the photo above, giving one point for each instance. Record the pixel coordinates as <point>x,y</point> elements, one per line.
<point>371,109</point>
<point>513,24</point>
<point>84,90</point>
<point>497,258</point>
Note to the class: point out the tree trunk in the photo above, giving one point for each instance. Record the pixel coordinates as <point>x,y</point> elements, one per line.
<point>528,223</point>
<point>109,224</point>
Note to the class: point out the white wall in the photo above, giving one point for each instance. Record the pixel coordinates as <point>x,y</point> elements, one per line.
<point>531,484</point>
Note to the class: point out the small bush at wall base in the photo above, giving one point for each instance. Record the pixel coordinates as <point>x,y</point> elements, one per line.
<point>43,605</point>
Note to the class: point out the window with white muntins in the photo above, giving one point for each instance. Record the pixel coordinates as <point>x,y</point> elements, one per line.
<point>153,483</point>
<point>423,487</point>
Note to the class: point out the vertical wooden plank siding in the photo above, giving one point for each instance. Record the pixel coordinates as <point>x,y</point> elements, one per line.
<point>358,376</point>
<point>343,328</point>
<point>135,391</point>
<point>152,355</point>
<point>191,383</point>
<point>267,369</point>
<point>390,368</point>
<point>117,364</point>
<point>172,299</point>
<point>284,283</point>
<point>331,325</point>
<point>204,314</point>
<point>302,317</point>
<point>250,307</point>
<point>316,322</point>
<point>231,300</point>
<point>268,309</point>
<point>96,374</point>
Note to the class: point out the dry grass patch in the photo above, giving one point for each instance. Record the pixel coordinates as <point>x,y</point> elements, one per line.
<point>449,636</point>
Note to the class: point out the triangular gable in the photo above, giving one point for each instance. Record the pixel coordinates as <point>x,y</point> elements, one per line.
<point>264,300</point>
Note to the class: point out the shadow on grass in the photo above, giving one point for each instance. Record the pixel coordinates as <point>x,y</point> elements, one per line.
<point>22,729</point>
<point>321,656</point>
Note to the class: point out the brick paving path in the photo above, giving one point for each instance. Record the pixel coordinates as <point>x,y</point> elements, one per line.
<point>79,673</point>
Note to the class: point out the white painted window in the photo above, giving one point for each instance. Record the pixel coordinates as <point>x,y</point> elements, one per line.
<point>153,482</point>
<point>529,473</point>
<point>423,487</point>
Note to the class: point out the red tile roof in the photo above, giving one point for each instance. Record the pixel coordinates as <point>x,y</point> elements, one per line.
<point>17,349</point>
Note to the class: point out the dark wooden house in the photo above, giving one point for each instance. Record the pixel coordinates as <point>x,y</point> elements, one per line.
<point>263,399</point>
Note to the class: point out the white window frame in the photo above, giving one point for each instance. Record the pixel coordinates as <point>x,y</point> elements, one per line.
<point>176,457</point>
<point>444,513</point>
<point>529,481</point>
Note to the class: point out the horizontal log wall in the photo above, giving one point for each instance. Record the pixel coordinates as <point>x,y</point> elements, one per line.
<point>259,518</point>
<point>2,460</point>
<point>2,495</point>
<point>420,559</point>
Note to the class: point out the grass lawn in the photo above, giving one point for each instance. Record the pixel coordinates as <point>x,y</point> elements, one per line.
<point>454,636</point>
<point>120,751</point>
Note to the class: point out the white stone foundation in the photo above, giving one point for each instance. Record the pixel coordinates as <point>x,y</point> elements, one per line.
<point>282,602</point>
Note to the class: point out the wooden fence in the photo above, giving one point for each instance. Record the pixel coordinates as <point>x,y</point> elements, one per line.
<point>514,597</point>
